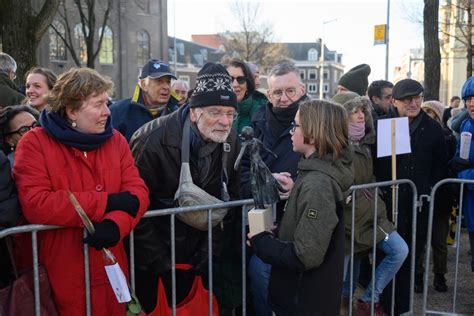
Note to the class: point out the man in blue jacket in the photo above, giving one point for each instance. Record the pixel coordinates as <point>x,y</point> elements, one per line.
<point>152,98</point>
<point>272,124</point>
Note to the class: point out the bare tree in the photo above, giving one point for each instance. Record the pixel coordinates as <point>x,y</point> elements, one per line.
<point>432,55</point>
<point>253,39</point>
<point>22,28</point>
<point>86,9</point>
<point>460,28</point>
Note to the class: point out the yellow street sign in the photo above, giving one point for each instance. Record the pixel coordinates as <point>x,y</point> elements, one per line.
<point>379,34</point>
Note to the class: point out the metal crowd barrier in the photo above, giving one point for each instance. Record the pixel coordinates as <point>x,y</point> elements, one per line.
<point>462,183</point>
<point>415,206</point>
<point>34,229</point>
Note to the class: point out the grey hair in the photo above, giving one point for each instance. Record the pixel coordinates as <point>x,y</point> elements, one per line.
<point>283,69</point>
<point>7,63</point>
<point>184,83</point>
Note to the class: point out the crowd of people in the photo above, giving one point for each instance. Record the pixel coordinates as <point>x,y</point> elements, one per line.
<point>121,158</point>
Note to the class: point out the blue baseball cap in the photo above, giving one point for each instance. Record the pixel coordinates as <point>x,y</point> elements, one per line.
<point>155,68</point>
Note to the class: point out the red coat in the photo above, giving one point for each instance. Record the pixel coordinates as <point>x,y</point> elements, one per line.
<point>44,171</point>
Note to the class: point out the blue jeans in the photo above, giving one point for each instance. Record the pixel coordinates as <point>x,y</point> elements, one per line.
<point>259,275</point>
<point>396,251</point>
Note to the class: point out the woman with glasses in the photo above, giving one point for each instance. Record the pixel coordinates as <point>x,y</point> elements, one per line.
<point>248,98</point>
<point>15,121</point>
<point>39,81</point>
<point>307,252</point>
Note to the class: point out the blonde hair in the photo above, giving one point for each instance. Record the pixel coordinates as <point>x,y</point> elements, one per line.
<point>325,123</point>
<point>74,86</point>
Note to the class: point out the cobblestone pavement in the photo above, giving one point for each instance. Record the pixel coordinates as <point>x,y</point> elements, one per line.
<point>443,302</point>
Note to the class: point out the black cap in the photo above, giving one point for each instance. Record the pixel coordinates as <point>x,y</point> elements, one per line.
<point>406,88</point>
<point>154,69</point>
<point>213,87</point>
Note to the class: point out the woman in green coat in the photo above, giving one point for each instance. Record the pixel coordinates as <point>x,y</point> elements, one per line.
<point>248,98</point>
<point>361,137</point>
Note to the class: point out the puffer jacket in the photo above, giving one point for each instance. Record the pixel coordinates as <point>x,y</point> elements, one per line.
<point>44,171</point>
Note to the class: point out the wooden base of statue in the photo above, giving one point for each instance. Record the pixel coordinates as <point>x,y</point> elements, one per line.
<point>260,220</point>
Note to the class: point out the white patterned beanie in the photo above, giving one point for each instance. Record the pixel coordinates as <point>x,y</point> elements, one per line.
<point>213,87</point>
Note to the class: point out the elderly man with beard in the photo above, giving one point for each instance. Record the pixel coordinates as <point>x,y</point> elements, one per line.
<point>213,149</point>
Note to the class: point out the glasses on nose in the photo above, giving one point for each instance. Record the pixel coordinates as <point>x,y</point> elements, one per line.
<point>214,114</point>
<point>417,98</point>
<point>240,79</point>
<point>289,92</point>
<point>293,127</point>
<point>24,129</point>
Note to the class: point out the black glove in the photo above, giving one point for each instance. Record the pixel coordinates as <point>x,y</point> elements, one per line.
<point>106,235</point>
<point>458,164</point>
<point>123,201</point>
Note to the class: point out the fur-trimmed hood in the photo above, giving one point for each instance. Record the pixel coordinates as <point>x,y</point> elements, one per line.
<point>364,102</point>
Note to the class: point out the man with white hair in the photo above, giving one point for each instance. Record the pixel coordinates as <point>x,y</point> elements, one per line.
<point>152,98</point>
<point>9,94</point>
<point>180,88</point>
<point>200,133</point>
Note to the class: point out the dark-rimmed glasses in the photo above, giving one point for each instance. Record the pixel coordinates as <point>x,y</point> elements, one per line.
<point>240,79</point>
<point>23,129</point>
<point>293,127</point>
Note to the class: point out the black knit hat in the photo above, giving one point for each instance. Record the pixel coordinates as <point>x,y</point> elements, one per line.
<point>406,88</point>
<point>356,79</point>
<point>213,87</point>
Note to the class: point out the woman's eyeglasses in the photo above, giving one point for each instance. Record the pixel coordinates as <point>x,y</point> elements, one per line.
<point>293,127</point>
<point>240,79</point>
<point>24,129</point>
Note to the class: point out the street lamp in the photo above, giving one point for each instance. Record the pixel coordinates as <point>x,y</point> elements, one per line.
<point>321,60</point>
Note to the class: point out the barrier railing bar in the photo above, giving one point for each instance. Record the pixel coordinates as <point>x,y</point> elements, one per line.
<point>173,263</point>
<point>87,281</point>
<point>34,244</point>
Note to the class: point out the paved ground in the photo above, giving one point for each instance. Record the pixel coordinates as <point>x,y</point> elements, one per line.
<point>465,290</point>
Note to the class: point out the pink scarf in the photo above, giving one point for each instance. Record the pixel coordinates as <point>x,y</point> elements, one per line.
<point>356,131</point>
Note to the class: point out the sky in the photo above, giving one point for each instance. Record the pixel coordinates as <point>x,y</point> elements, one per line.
<point>351,33</point>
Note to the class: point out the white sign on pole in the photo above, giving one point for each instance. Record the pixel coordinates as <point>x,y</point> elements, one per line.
<point>384,137</point>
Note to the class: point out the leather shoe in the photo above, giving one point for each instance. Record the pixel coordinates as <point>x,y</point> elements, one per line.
<point>439,283</point>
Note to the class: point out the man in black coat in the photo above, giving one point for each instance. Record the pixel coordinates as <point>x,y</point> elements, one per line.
<point>425,166</point>
<point>158,149</point>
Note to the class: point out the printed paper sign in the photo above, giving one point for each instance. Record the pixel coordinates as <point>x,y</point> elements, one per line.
<point>118,282</point>
<point>384,137</point>
<point>465,145</point>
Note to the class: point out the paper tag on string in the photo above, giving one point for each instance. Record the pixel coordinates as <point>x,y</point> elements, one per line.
<point>118,282</point>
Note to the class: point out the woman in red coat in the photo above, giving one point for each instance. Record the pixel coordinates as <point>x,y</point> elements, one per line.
<point>77,150</point>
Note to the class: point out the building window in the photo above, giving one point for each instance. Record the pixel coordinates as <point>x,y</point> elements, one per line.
<point>302,74</point>
<point>312,54</point>
<point>326,88</point>
<point>80,41</point>
<point>143,47</point>
<point>106,55</point>
<point>325,74</point>
<point>312,74</point>
<point>57,48</point>
<point>312,88</point>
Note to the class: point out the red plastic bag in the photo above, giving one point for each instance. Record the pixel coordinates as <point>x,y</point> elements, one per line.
<point>196,303</point>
